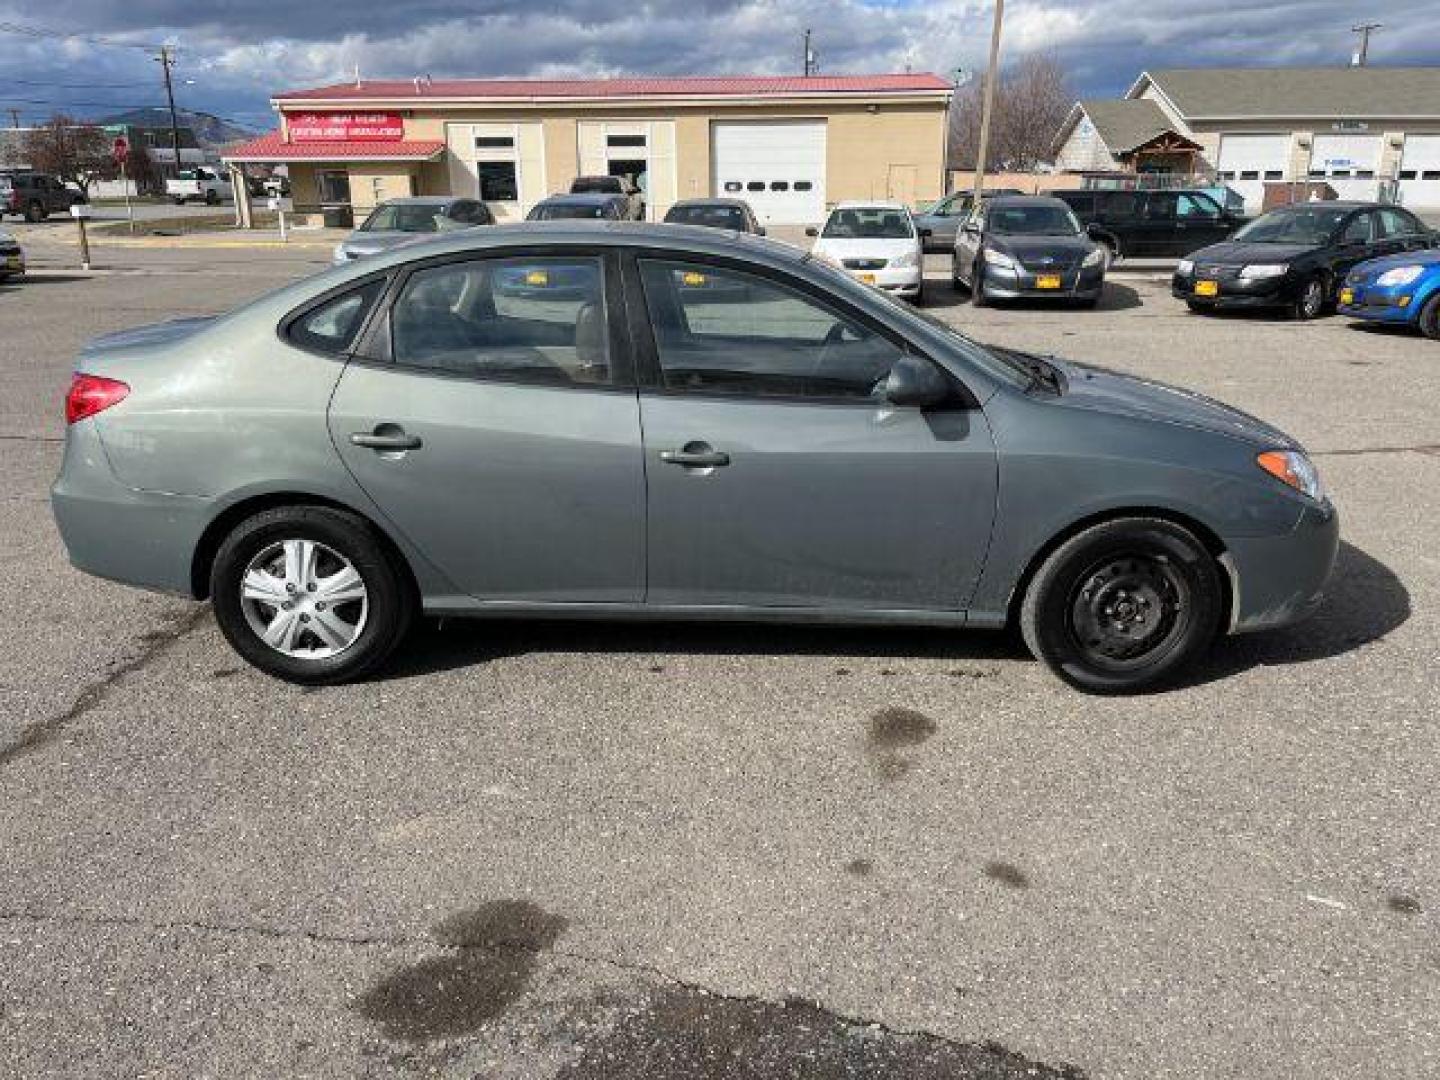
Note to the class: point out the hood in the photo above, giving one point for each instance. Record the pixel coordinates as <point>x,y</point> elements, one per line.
<point>372,243</point>
<point>1127,395</point>
<point>1035,250</point>
<point>866,248</point>
<point>1239,253</point>
<point>146,337</point>
<point>1389,262</point>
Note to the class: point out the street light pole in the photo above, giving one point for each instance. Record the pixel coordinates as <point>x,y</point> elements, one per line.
<point>992,75</point>
<point>166,59</point>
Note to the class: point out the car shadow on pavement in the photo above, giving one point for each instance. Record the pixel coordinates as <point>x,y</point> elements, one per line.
<point>942,296</point>
<point>1364,601</point>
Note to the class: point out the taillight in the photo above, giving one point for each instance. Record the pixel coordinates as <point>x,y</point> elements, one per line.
<point>90,394</point>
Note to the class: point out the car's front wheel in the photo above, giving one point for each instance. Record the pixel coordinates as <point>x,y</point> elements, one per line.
<point>1430,318</point>
<point>1124,605</point>
<point>1311,300</point>
<point>309,594</point>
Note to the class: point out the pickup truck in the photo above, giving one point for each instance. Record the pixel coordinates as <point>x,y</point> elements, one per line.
<point>207,185</point>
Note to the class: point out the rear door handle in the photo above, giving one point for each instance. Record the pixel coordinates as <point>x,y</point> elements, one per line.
<point>386,437</point>
<point>694,457</point>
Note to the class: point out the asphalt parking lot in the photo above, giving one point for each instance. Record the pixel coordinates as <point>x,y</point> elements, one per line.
<point>602,851</point>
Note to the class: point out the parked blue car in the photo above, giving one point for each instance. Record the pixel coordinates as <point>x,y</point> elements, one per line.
<point>1402,288</point>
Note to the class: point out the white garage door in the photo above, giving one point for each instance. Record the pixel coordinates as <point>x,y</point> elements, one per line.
<point>1420,172</point>
<point>1247,161</point>
<point>1348,163</point>
<point>778,167</point>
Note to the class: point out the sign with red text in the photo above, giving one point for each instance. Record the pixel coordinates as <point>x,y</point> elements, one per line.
<point>345,127</point>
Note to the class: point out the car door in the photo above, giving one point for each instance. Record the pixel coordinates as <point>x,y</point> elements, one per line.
<point>1199,222</point>
<point>967,243</point>
<point>1399,231</point>
<point>1154,230</point>
<point>492,417</point>
<point>777,476</point>
<point>1355,242</point>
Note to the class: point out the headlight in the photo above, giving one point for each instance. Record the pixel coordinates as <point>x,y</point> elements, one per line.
<point>1185,267</point>
<point>339,255</point>
<point>1260,271</point>
<point>1095,258</point>
<point>1401,275</point>
<point>1293,468</point>
<point>909,259</point>
<point>999,259</point>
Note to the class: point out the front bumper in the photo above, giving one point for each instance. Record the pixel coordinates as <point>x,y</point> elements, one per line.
<point>12,262</point>
<point>1075,283</point>
<point>1388,304</point>
<point>1235,293</point>
<point>901,280</point>
<point>1279,580</point>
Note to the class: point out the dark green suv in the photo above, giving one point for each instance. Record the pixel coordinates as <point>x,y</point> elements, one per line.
<point>36,196</point>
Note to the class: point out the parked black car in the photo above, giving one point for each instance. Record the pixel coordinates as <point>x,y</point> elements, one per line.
<point>943,218</point>
<point>36,195</point>
<point>1152,223</point>
<point>1295,257</point>
<point>1027,246</point>
<point>612,185</point>
<point>716,214</point>
<point>599,207</point>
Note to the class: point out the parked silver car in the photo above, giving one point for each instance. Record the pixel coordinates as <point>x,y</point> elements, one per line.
<point>397,221</point>
<point>694,425</point>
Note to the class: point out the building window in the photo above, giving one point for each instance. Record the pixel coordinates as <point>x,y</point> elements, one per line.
<point>755,185</point>
<point>734,185</point>
<point>332,185</point>
<point>625,140</point>
<point>498,181</point>
<point>779,185</point>
<point>494,142</point>
<point>803,185</point>
<point>1274,174</point>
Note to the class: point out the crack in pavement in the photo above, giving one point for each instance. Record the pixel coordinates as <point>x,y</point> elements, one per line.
<point>33,438</point>
<point>631,967</point>
<point>156,643</point>
<point>1423,448</point>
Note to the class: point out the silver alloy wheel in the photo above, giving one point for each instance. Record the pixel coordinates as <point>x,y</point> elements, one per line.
<point>303,599</point>
<point>1313,299</point>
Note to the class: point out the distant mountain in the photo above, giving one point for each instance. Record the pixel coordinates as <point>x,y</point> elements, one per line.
<point>211,132</point>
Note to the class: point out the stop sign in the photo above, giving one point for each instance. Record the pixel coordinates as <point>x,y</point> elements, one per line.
<point>121,149</point>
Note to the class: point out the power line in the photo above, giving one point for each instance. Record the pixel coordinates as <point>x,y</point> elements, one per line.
<point>73,86</point>
<point>41,33</point>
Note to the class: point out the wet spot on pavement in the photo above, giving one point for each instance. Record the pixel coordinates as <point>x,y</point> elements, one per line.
<point>224,672</point>
<point>893,728</point>
<point>1007,874</point>
<point>493,954</point>
<point>1402,904</point>
<point>656,669</point>
<point>860,867</point>
<point>686,1033</point>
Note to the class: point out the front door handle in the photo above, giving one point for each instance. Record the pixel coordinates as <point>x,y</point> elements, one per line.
<point>696,456</point>
<point>386,437</point>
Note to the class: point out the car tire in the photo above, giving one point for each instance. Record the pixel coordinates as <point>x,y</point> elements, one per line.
<point>211,198</point>
<point>35,212</point>
<point>1311,301</point>
<point>360,633</point>
<point>178,200</point>
<point>1085,611</point>
<point>1429,321</point>
<point>955,282</point>
<point>919,300</point>
<point>1197,307</point>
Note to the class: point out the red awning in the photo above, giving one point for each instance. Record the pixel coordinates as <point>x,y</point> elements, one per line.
<point>272,148</point>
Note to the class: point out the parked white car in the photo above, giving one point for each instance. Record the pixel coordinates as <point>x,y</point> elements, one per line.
<point>206,185</point>
<point>876,242</point>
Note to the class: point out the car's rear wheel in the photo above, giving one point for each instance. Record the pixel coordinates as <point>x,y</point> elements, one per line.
<point>1197,307</point>
<point>211,198</point>
<point>1124,605</point>
<point>1430,318</point>
<point>1311,300</point>
<point>310,595</point>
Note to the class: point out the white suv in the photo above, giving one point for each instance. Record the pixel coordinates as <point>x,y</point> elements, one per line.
<point>876,242</point>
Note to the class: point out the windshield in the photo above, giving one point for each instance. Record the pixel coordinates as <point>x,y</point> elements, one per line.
<point>1033,221</point>
<point>404,217</point>
<point>1297,225</point>
<point>877,224</point>
<point>567,211</point>
<point>186,174</point>
<point>716,217</point>
<point>604,185</point>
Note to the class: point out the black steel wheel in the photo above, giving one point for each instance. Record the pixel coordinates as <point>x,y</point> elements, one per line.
<point>1124,605</point>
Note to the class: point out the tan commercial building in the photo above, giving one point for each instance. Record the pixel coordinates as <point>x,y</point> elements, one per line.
<point>1363,132</point>
<point>790,146</point>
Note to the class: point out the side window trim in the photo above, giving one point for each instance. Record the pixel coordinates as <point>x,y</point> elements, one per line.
<point>377,339</point>
<point>286,324</point>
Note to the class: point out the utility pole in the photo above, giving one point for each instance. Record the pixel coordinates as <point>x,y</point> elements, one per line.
<point>166,59</point>
<point>14,118</point>
<point>809,56</point>
<point>992,75</point>
<point>1363,53</point>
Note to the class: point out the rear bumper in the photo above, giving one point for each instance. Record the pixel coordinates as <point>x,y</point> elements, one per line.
<point>1279,580</point>
<point>141,538</point>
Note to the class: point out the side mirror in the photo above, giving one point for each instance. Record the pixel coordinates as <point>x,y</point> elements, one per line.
<point>811,230</point>
<point>1094,231</point>
<point>927,232</point>
<point>916,383</point>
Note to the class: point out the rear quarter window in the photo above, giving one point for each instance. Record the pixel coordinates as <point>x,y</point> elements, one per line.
<point>332,325</point>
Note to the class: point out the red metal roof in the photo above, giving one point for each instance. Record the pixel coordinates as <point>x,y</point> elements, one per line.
<point>701,86</point>
<point>273,147</point>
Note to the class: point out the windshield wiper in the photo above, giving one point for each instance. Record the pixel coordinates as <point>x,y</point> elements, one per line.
<point>1041,371</point>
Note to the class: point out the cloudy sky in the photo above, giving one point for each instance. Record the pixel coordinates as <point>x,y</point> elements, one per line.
<point>233,55</point>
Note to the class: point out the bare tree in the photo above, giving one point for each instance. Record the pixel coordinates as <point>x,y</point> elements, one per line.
<point>1031,102</point>
<point>75,152</point>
